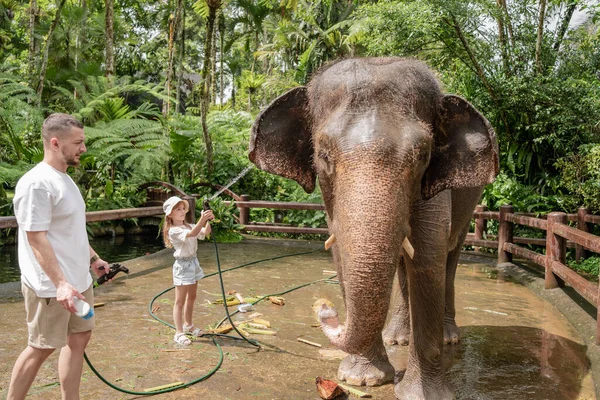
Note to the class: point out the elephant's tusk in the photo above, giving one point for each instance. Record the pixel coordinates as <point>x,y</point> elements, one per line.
<point>329,242</point>
<point>408,248</point>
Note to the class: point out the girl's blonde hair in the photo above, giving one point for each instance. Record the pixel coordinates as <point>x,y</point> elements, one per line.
<point>165,231</point>
<point>168,222</point>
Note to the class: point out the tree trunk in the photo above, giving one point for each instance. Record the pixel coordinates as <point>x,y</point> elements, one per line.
<point>213,6</point>
<point>233,91</point>
<point>174,22</point>
<point>44,66</point>
<point>32,56</point>
<point>180,66</point>
<point>507,21</point>
<point>213,70</point>
<point>502,37</point>
<point>540,36</point>
<point>109,38</point>
<point>564,25</point>
<point>221,40</point>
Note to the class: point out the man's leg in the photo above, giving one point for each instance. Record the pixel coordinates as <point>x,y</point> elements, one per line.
<point>25,370</point>
<point>70,364</point>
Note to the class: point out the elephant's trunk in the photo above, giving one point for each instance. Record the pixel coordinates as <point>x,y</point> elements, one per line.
<point>367,299</point>
<point>368,246</point>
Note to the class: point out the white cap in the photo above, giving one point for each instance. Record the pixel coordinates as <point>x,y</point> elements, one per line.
<point>171,202</point>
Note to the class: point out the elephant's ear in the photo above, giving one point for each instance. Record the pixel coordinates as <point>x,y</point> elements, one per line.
<point>281,139</point>
<point>466,150</point>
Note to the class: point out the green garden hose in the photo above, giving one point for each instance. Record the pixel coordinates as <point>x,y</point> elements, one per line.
<point>213,335</point>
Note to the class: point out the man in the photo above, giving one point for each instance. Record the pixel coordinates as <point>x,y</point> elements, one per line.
<point>54,258</point>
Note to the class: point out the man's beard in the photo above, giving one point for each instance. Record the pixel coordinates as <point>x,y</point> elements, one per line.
<point>72,161</point>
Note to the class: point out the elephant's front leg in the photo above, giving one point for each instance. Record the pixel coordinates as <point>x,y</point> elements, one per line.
<point>397,330</point>
<point>371,368</point>
<point>425,375</point>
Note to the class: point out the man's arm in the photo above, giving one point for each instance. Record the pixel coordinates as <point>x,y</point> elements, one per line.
<point>44,253</point>
<point>99,266</point>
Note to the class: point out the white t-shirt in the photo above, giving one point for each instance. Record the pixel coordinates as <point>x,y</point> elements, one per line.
<point>48,200</point>
<point>184,247</point>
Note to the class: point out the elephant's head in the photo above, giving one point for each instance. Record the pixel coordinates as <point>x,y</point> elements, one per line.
<point>378,133</point>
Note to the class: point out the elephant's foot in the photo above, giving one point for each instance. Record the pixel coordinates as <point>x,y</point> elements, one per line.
<point>451,332</point>
<point>361,371</point>
<point>422,389</point>
<point>397,331</point>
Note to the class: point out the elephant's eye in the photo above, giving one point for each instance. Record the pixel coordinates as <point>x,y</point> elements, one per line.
<point>324,162</point>
<point>324,156</point>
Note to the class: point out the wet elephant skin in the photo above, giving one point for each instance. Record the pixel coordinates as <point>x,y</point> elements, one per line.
<point>395,159</point>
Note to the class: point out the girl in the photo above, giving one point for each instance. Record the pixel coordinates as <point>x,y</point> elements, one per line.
<point>186,270</point>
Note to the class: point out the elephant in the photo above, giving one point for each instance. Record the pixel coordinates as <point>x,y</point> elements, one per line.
<point>401,167</point>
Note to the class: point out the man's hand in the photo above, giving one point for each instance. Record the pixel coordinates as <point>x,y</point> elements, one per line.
<point>100,267</point>
<point>64,295</point>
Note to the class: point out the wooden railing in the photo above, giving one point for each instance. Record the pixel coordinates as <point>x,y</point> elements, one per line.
<point>559,236</point>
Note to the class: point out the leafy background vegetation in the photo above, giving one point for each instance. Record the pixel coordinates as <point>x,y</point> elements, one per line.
<point>168,90</point>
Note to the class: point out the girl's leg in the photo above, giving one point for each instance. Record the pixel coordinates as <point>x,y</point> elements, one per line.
<point>180,295</point>
<point>190,299</point>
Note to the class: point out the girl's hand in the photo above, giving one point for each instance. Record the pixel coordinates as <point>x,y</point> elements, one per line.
<point>206,216</point>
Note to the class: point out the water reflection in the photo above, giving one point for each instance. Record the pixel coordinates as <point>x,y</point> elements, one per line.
<point>111,248</point>
<point>500,362</point>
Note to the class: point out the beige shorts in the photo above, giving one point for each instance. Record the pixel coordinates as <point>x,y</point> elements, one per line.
<point>49,323</point>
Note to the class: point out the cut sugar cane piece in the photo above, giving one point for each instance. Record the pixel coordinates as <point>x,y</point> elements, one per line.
<point>332,354</point>
<point>96,305</point>
<point>173,350</point>
<point>355,392</point>
<point>261,321</point>
<point>255,315</point>
<point>259,331</point>
<point>255,325</point>
<point>309,342</point>
<point>277,300</point>
<point>167,386</point>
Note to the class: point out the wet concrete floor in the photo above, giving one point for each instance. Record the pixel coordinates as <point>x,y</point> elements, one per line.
<point>514,345</point>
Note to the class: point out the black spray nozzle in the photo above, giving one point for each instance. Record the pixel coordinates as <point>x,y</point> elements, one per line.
<point>205,205</point>
<point>114,270</point>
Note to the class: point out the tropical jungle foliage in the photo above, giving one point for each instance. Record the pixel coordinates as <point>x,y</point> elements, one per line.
<point>168,90</point>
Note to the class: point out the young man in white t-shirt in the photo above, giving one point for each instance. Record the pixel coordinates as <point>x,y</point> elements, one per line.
<point>54,258</point>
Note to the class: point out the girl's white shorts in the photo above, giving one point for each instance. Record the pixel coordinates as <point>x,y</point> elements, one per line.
<point>186,271</point>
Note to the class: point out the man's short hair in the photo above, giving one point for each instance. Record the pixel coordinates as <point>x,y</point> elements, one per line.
<point>58,123</point>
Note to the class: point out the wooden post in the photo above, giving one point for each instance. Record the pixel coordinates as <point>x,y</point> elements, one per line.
<point>191,214</point>
<point>244,211</point>
<point>580,251</point>
<point>505,234</point>
<point>556,249</point>
<point>480,225</point>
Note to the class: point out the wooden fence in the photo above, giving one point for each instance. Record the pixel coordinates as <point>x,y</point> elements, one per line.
<point>559,234</point>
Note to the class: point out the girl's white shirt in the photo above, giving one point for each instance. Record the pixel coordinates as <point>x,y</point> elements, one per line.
<point>184,246</point>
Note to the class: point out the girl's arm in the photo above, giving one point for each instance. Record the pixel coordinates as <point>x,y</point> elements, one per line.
<point>206,230</point>
<point>205,216</point>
